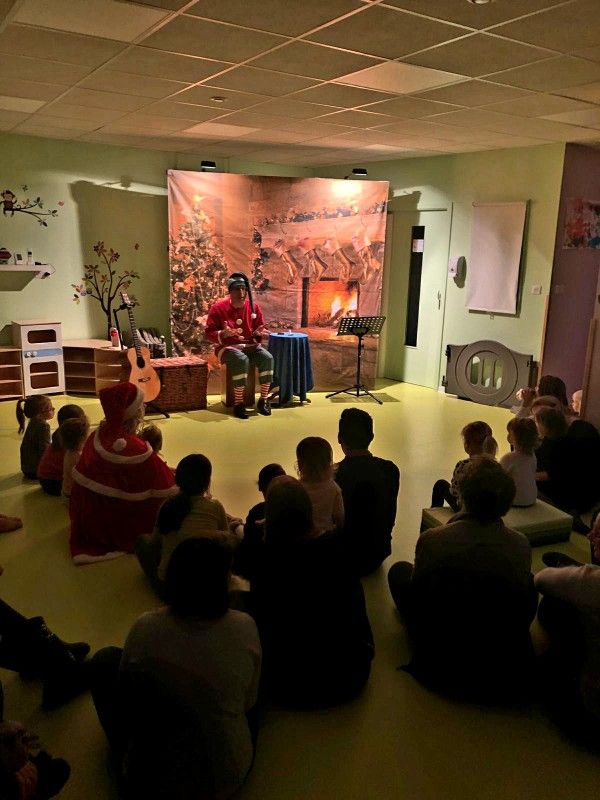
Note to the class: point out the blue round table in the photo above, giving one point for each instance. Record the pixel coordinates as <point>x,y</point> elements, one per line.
<point>292,365</point>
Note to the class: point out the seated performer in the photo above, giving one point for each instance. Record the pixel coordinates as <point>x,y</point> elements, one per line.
<point>236,327</point>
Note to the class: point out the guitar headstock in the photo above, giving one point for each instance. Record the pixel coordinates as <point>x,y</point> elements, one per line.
<point>126,301</point>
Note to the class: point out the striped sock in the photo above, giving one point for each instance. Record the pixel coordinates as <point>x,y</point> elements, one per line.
<point>264,390</point>
<point>238,394</point>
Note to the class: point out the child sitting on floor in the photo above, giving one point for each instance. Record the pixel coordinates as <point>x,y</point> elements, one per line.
<point>27,773</point>
<point>521,464</point>
<point>190,513</point>
<point>315,469</point>
<point>477,441</point>
<point>254,527</point>
<point>72,433</point>
<point>38,409</point>
<point>153,435</point>
<point>50,468</point>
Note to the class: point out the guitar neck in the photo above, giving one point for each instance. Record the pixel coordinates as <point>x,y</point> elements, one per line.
<point>134,331</point>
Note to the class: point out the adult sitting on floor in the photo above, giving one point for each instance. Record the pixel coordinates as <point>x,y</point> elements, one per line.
<point>177,704</point>
<point>119,482</point>
<point>309,608</point>
<point>469,599</point>
<point>370,487</point>
<point>236,326</point>
<point>570,613</point>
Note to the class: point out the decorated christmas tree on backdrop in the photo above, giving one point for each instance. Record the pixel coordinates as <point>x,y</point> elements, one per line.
<point>198,279</point>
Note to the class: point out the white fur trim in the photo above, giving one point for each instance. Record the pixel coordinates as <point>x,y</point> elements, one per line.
<point>253,316</point>
<point>84,558</point>
<point>116,459</point>
<point>110,491</point>
<point>133,407</point>
<point>119,445</point>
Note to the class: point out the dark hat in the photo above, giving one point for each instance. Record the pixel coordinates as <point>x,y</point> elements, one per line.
<point>241,279</point>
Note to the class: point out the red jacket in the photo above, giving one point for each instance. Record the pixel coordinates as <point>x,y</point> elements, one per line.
<point>223,315</point>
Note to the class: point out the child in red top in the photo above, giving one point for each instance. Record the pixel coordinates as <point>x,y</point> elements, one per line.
<point>50,468</point>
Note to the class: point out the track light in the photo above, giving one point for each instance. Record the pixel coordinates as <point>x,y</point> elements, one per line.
<point>357,172</point>
<point>208,166</point>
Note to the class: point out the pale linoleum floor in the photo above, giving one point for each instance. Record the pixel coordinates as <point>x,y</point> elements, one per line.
<point>397,741</point>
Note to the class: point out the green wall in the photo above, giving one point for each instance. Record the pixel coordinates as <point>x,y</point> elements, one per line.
<point>88,179</point>
<point>456,182</point>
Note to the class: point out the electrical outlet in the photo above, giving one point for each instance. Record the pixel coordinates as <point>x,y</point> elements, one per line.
<point>536,289</point>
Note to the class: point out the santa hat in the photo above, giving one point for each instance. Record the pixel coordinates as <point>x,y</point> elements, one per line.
<point>237,279</point>
<point>120,403</point>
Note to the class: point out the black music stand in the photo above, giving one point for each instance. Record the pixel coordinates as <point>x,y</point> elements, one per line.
<point>359,326</point>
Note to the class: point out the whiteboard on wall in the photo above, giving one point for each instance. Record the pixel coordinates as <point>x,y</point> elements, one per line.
<point>496,245</point>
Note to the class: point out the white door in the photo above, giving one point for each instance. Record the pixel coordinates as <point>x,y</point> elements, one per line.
<point>414,355</point>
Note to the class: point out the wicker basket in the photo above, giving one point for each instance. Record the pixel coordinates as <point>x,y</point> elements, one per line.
<point>183,383</point>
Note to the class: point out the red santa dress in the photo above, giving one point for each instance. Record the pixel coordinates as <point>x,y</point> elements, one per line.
<point>119,483</point>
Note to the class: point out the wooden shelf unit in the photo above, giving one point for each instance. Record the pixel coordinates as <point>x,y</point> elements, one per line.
<point>92,364</point>
<point>11,373</point>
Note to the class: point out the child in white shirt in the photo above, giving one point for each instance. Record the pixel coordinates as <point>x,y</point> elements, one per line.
<point>521,464</point>
<point>315,469</point>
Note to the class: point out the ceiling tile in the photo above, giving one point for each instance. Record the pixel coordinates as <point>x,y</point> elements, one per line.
<point>140,123</point>
<point>36,69</point>
<point>385,32</point>
<point>551,75</point>
<point>55,46</point>
<point>8,119</point>
<point>591,53</point>
<point>399,78</point>
<point>477,55</point>
<point>503,123</point>
<point>201,95</point>
<point>334,94</point>
<point>473,93</point>
<point>471,15</point>
<point>313,61</point>
<point>120,21</point>
<point>221,130</point>
<point>29,89</point>
<point>409,107</point>
<point>290,107</point>
<point>589,118</point>
<point>31,128</point>
<point>254,119</point>
<point>171,108</point>
<point>112,80</point>
<point>358,119</point>
<point>587,91</point>
<point>248,79</point>
<point>538,105</point>
<point>198,37</point>
<point>111,100</point>
<point>291,18</point>
<point>68,110</point>
<point>64,123</point>
<point>172,5</point>
<point>23,104</point>
<point>156,63</point>
<point>265,135</point>
<point>565,28</point>
<point>318,128</point>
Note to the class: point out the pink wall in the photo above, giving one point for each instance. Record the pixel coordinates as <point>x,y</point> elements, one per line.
<point>574,276</point>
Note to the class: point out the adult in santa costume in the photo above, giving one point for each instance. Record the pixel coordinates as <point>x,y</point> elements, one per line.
<point>119,482</point>
<point>236,326</point>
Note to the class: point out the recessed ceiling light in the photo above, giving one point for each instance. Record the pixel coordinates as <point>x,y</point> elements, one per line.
<point>480,2</point>
<point>217,98</point>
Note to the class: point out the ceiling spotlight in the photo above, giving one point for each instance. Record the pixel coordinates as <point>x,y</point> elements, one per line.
<point>208,166</point>
<point>217,98</point>
<point>357,172</point>
<point>480,2</point>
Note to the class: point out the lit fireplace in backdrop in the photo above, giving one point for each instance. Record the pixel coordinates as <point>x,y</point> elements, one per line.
<point>324,303</point>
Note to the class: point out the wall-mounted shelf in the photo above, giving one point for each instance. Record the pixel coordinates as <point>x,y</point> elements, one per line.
<point>41,270</point>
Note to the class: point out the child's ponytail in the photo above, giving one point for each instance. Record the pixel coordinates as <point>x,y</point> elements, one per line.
<point>20,415</point>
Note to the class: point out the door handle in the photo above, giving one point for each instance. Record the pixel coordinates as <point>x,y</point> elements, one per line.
<point>439,299</point>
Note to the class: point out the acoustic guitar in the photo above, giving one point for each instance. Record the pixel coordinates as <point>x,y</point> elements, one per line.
<point>142,373</point>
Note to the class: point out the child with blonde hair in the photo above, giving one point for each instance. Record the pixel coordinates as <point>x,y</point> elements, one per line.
<point>477,441</point>
<point>38,409</point>
<point>153,435</point>
<point>521,464</point>
<point>315,469</point>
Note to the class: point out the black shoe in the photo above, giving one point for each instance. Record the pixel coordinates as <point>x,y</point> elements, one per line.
<point>579,525</point>
<point>555,559</point>
<point>44,652</point>
<point>264,407</point>
<point>239,411</point>
<point>53,773</point>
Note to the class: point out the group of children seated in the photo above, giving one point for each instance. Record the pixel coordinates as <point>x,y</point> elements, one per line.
<point>297,632</point>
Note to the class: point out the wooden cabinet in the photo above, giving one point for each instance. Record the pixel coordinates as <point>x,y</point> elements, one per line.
<point>40,343</point>
<point>92,364</point>
<point>11,373</point>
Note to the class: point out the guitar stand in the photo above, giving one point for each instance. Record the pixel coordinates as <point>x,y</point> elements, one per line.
<point>359,327</point>
<point>156,409</point>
